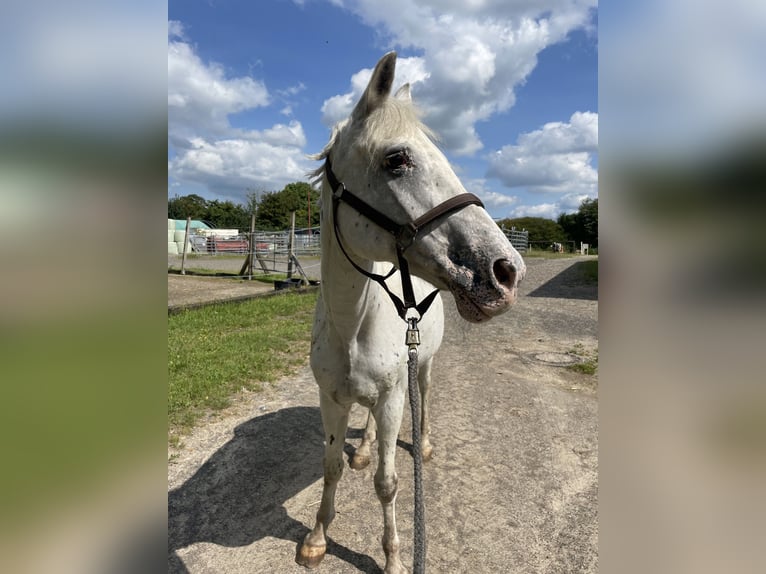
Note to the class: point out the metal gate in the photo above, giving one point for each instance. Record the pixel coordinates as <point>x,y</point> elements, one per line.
<point>519,239</point>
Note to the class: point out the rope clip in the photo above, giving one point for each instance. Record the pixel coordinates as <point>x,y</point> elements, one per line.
<point>413,335</point>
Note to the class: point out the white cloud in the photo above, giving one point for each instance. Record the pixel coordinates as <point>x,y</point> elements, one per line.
<point>176,30</point>
<point>201,97</point>
<point>229,166</point>
<point>541,172</point>
<point>579,135</point>
<point>337,108</point>
<point>282,135</point>
<point>293,90</point>
<point>556,158</point>
<point>206,148</point>
<point>475,53</point>
<point>568,203</point>
<point>492,199</point>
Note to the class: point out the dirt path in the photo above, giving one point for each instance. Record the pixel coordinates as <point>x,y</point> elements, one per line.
<point>512,487</point>
<point>191,290</point>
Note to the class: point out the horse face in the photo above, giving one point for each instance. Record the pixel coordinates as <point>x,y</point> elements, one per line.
<point>387,157</point>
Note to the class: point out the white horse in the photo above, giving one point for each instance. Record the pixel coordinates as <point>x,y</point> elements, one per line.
<point>383,156</point>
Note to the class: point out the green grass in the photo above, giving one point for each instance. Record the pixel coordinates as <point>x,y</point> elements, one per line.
<point>589,365</point>
<point>257,276</point>
<point>218,350</point>
<point>205,256</point>
<point>547,254</point>
<point>589,270</point>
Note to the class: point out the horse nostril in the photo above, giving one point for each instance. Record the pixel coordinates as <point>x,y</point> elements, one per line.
<point>505,273</point>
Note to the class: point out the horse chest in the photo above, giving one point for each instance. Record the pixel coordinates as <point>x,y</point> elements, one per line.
<point>357,370</point>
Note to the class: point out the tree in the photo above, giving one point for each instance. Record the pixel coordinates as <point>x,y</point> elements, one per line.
<point>275,207</point>
<point>539,228</point>
<point>582,226</point>
<point>227,214</point>
<point>273,212</point>
<point>588,213</point>
<point>192,206</point>
<point>253,199</point>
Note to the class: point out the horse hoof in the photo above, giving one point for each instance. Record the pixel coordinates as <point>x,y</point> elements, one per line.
<point>358,462</point>
<point>396,568</point>
<point>310,556</point>
<point>428,453</point>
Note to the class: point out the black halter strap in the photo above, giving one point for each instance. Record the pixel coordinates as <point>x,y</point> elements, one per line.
<point>404,236</point>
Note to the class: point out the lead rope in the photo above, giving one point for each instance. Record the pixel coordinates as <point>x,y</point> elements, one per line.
<point>419,536</point>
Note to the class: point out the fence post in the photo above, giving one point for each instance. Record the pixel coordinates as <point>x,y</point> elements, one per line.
<point>290,241</point>
<point>186,243</point>
<point>252,245</point>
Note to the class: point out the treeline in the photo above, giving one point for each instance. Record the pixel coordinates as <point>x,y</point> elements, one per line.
<point>272,209</point>
<point>581,226</point>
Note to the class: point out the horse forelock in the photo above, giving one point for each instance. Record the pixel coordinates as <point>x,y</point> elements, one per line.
<point>395,119</point>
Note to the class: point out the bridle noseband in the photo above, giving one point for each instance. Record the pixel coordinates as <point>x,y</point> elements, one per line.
<point>404,236</point>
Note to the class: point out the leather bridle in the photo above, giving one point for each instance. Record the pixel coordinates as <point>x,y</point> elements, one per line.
<point>404,235</point>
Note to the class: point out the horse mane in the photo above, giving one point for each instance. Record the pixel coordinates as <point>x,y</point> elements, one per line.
<point>395,118</point>
<point>316,175</point>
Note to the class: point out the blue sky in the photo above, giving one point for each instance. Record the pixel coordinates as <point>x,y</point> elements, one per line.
<point>510,87</point>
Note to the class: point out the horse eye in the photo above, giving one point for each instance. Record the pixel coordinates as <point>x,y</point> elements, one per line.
<point>397,161</point>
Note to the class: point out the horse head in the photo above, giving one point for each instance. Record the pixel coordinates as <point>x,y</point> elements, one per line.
<point>387,158</point>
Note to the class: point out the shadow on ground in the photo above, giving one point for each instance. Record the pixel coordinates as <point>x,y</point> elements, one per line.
<point>569,284</point>
<point>237,496</point>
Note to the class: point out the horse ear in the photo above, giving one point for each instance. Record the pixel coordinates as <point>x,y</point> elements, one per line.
<point>403,93</point>
<point>379,87</point>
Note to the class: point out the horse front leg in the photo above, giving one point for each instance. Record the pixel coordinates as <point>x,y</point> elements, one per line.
<point>424,382</point>
<point>361,457</point>
<point>334,420</point>
<point>388,414</point>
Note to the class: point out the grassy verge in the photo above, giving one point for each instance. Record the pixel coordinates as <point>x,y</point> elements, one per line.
<point>202,272</point>
<point>218,350</point>
<point>589,270</point>
<point>589,365</point>
<point>219,256</point>
<point>543,254</point>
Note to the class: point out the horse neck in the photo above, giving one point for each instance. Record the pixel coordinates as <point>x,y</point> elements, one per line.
<point>346,293</point>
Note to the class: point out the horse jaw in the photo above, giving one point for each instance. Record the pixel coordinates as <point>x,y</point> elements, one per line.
<point>474,312</point>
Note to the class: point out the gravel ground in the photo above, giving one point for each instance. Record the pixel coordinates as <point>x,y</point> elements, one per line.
<point>512,486</point>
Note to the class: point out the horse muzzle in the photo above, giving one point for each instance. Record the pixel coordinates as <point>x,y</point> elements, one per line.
<point>481,296</point>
